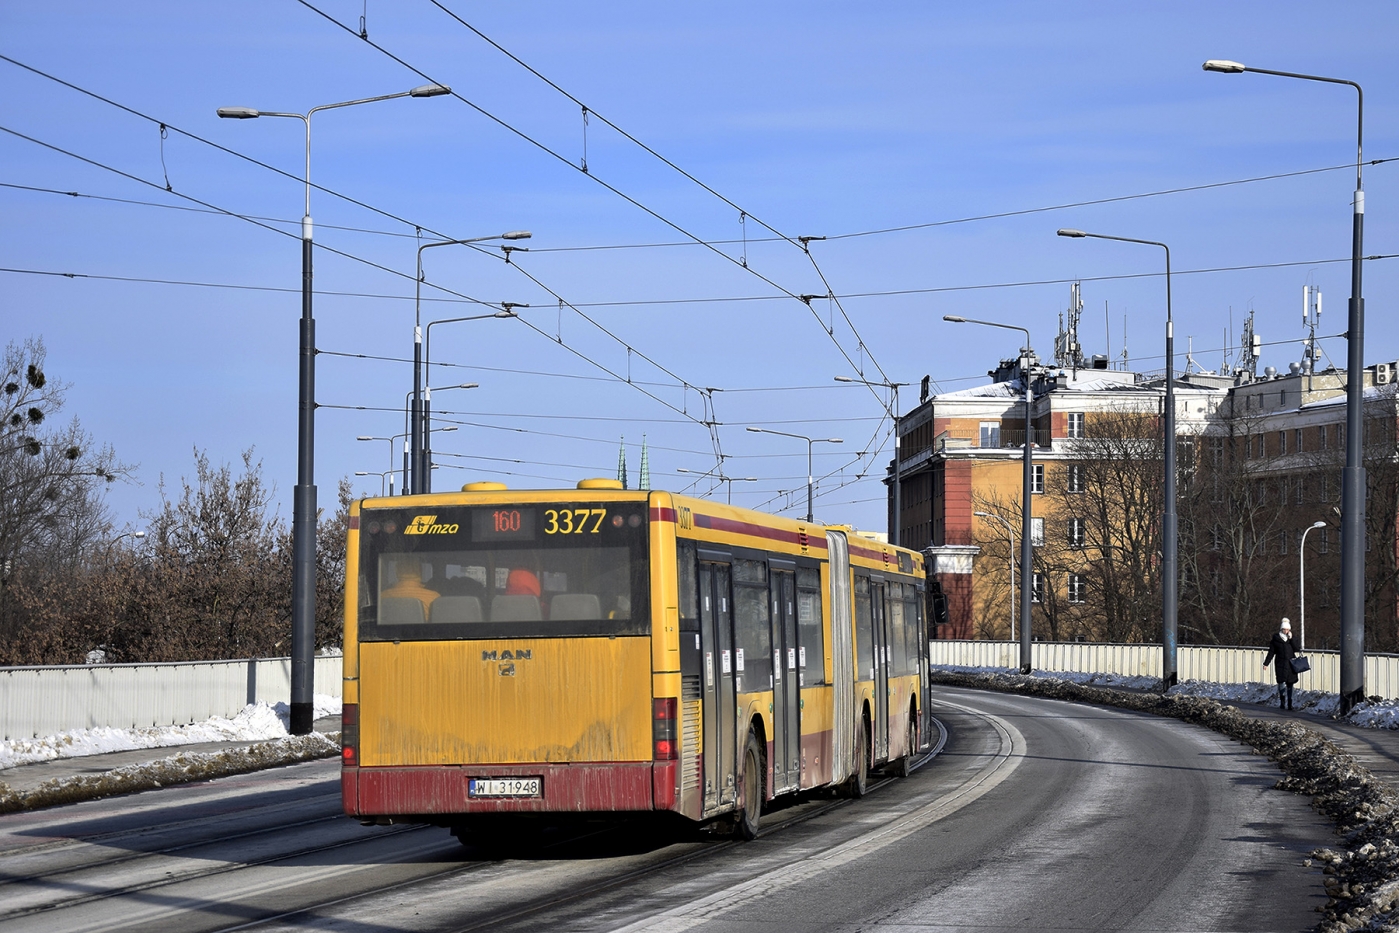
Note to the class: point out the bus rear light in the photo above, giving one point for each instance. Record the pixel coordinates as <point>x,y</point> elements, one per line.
<point>349,734</point>
<point>663,729</point>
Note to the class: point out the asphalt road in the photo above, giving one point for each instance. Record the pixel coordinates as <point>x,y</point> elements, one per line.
<point>1037,815</point>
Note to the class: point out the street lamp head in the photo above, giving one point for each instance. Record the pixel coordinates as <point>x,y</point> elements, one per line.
<point>756,430</point>
<point>516,235</point>
<point>1070,232</point>
<point>982,514</point>
<point>446,429</point>
<point>361,473</point>
<point>1224,66</point>
<point>1318,524</point>
<point>834,440</point>
<point>844,379</point>
<point>238,113</point>
<point>507,312</point>
<point>138,534</point>
<point>955,319</point>
<point>366,437</point>
<point>430,90</point>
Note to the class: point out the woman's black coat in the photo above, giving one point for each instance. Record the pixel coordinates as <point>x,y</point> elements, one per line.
<point>1281,650</point>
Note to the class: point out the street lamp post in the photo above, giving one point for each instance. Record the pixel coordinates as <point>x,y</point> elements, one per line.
<point>391,440</point>
<point>426,432</point>
<point>1353,478</point>
<point>1027,579</point>
<point>381,475</point>
<point>809,442</point>
<point>895,526</point>
<point>507,311</point>
<point>1302,584</point>
<point>721,478</point>
<point>419,470</point>
<point>1169,593</point>
<point>303,584</point>
<point>1010,532</point>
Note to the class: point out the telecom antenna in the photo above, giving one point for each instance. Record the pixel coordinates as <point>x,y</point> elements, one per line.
<point>1311,319</point>
<point>1067,350</point>
<point>1251,349</point>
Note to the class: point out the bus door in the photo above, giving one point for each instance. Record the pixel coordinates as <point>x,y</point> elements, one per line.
<point>786,685</point>
<point>880,640</point>
<point>720,717</point>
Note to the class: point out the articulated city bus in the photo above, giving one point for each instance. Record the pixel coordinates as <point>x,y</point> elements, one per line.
<point>593,651</point>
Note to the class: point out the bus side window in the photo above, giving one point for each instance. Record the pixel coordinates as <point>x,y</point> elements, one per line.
<point>894,613</point>
<point>809,633</point>
<point>752,633</point>
<point>864,647</point>
<point>687,580</point>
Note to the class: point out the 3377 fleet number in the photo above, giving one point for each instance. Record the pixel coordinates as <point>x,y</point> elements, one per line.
<point>573,521</point>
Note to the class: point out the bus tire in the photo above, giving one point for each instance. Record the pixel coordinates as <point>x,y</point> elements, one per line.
<point>904,766</point>
<point>746,824</point>
<point>859,782</point>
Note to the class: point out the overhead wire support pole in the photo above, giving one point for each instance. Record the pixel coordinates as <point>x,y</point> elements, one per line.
<point>896,522</point>
<point>1027,578</point>
<point>303,628</point>
<point>1353,478</point>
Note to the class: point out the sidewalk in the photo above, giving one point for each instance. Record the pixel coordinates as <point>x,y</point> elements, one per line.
<point>1375,749</point>
<point>25,778</point>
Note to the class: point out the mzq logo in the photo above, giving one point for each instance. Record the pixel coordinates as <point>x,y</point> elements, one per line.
<point>427,525</point>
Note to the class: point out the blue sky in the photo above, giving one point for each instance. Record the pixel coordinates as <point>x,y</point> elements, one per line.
<point>815,119</point>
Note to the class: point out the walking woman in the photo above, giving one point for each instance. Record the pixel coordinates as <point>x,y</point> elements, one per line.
<point>1280,654</point>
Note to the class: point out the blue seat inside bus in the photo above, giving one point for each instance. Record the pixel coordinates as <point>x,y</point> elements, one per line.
<point>515,609</point>
<point>449,610</point>
<point>568,606</point>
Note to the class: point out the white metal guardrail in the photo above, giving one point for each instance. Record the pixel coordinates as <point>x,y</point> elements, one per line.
<point>1193,662</point>
<point>37,701</point>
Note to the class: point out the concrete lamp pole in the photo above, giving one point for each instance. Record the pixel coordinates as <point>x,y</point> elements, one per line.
<point>895,526</point>
<point>1027,508</point>
<point>809,442</point>
<point>1169,583</point>
<point>1353,478</point>
<point>303,584</point>
<point>418,470</point>
<point>1010,536</point>
<point>1302,585</point>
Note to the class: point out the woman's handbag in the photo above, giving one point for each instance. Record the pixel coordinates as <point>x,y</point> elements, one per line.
<point>1301,664</point>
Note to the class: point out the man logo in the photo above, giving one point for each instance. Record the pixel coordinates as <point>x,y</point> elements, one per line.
<point>427,525</point>
<point>519,654</point>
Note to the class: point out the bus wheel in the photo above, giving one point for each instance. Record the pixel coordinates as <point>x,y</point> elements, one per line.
<point>859,782</point>
<point>746,826</point>
<point>904,766</point>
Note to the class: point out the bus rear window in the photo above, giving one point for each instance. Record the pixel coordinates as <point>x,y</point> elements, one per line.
<point>504,573</point>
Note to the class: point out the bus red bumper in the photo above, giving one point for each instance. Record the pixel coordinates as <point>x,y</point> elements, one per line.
<point>565,788</point>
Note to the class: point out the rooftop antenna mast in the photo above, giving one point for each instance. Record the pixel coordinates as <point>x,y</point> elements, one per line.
<point>1251,349</point>
<point>1125,357</point>
<point>1311,318</point>
<point>1067,350</point>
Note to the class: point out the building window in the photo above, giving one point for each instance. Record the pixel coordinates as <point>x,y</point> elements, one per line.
<point>1282,542</point>
<point>1078,588</point>
<point>1248,447</point>
<point>1216,538</point>
<point>1077,532</point>
<point>1297,440</point>
<point>1216,450</point>
<point>1037,478</point>
<point>1037,532</point>
<point>1262,446</point>
<point>990,434</point>
<point>1037,587</point>
<point>1282,398</point>
<point>1321,436</point>
<point>1301,490</point>
<point>1324,545</point>
<point>1076,484</point>
<point>1282,443</point>
<point>1076,424</point>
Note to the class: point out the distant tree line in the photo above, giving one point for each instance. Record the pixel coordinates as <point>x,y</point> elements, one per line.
<point>210,578</point>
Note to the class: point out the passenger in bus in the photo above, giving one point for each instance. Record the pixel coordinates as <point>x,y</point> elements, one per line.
<point>522,582</point>
<point>408,571</point>
<point>623,610</point>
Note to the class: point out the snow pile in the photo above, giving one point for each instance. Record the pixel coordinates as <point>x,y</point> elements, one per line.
<point>177,769</point>
<point>1372,714</point>
<point>254,723</point>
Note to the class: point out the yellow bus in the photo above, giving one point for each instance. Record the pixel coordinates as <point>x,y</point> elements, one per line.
<point>599,651</point>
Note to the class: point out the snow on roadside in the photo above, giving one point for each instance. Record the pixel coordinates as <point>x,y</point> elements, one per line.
<point>1383,714</point>
<point>254,723</point>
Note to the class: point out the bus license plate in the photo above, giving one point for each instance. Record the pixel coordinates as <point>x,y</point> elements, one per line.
<point>504,787</point>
